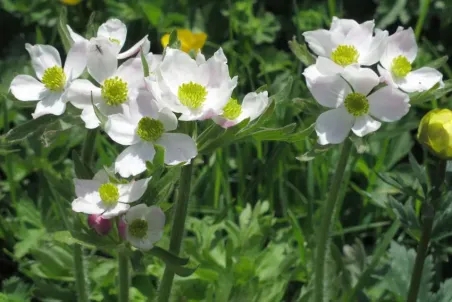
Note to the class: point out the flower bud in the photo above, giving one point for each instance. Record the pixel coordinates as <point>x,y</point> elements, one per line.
<point>435,132</point>
<point>122,228</point>
<point>101,225</point>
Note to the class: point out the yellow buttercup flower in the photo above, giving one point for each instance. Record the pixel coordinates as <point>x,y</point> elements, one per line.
<point>188,40</point>
<point>71,2</point>
<point>435,132</point>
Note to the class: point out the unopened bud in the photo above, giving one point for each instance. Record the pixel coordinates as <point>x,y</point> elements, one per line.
<point>101,225</point>
<point>435,132</point>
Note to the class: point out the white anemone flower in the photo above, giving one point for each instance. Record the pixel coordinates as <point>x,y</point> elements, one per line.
<point>252,107</point>
<point>143,126</point>
<point>357,108</point>
<point>348,42</point>
<point>115,32</point>
<point>53,79</point>
<point>396,60</point>
<point>197,88</point>
<point>102,197</point>
<point>144,226</point>
<point>117,89</point>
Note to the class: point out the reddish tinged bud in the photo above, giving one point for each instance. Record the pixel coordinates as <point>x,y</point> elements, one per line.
<point>101,225</point>
<point>122,228</point>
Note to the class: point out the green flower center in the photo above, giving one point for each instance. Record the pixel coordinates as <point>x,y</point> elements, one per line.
<point>400,66</point>
<point>356,104</point>
<point>114,91</point>
<point>138,228</point>
<point>192,95</point>
<point>232,109</point>
<point>149,129</point>
<point>54,78</point>
<point>109,194</point>
<point>345,55</point>
<point>114,40</point>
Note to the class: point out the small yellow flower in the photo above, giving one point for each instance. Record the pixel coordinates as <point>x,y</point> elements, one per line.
<point>435,132</point>
<point>71,2</point>
<point>188,40</point>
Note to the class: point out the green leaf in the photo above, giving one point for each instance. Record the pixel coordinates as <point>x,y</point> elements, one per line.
<point>100,116</point>
<point>275,134</point>
<point>167,257</point>
<point>145,64</point>
<point>298,234</point>
<point>301,52</point>
<point>29,128</point>
<point>63,32</point>
<point>314,152</point>
<point>66,238</point>
<point>397,280</point>
<point>81,170</point>
<point>173,40</point>
<point>419,172</point>
<point>284,93</point>
<point>406,214</point>
<point>438,63</point>
<point>433,93</point>
<point>152,12</point>
<point>30,241</point>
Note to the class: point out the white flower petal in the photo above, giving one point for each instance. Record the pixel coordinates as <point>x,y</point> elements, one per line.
<point>79,93</point>
<point>343,25</point>
<point>143,45</point>
<point>333,126</point>
<point>373,54</point>
<point>362,80</point>
<point>117,210</point>
<point>140,243</point>
<point>321,42</point>
<point>87,189</point>
<point>76,60</point>
<point>144,106</point>
<point>386,77</point>
<point>179,148</point>
<point>43,57</point>
<point>156,219</point>
<point>101,176</point>
<point>136,212</point>
<point>419,80</point>
<point>217,69</point>
<point>402,43</point>
<point>132,161</point>
<point>327,67</point>
<point>51,104</point>
<point>102,62</point>
<point>388,104</point>
<point>365,125</point>
<point>360,36</point>
<point>132,191</point>
<point>27,88</point>
<point>168,118</point>
<point>81,205</point>
<point>131,71</point>
<point>122,130</point>
<point>113,29</point>
<point>90,118</point>
<point>254,104</point>
<point>75,36</point>
<point>329,91</point>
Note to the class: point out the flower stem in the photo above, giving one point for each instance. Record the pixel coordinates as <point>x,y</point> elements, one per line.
<point>427,224</point>
<point>79,265</point>
<point>177,230</point>
<point>327,215</point>
<point>123,272</point>
<point>423,11</point>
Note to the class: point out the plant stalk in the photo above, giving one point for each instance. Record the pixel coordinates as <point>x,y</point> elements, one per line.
<point>79,265</point>
<point>327,215</point>
<point>177,229</point>
<point>123,272</point>
<point>428,216</point>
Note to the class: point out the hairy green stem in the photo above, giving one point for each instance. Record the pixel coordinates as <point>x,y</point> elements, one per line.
<point>123,272</point>
<point>327,215</point>
<point>427,224</point>
<point>177,230</point>
<point>79,265</point>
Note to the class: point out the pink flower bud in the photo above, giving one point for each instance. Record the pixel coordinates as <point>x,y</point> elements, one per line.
<point>101,225</point>
<point>122,226</point>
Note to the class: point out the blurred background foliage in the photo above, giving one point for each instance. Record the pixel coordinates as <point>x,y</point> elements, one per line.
<point>254,206</point>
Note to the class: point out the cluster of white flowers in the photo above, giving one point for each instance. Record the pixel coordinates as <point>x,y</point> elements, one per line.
<point>140,112</point>
<point>344,77</point>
